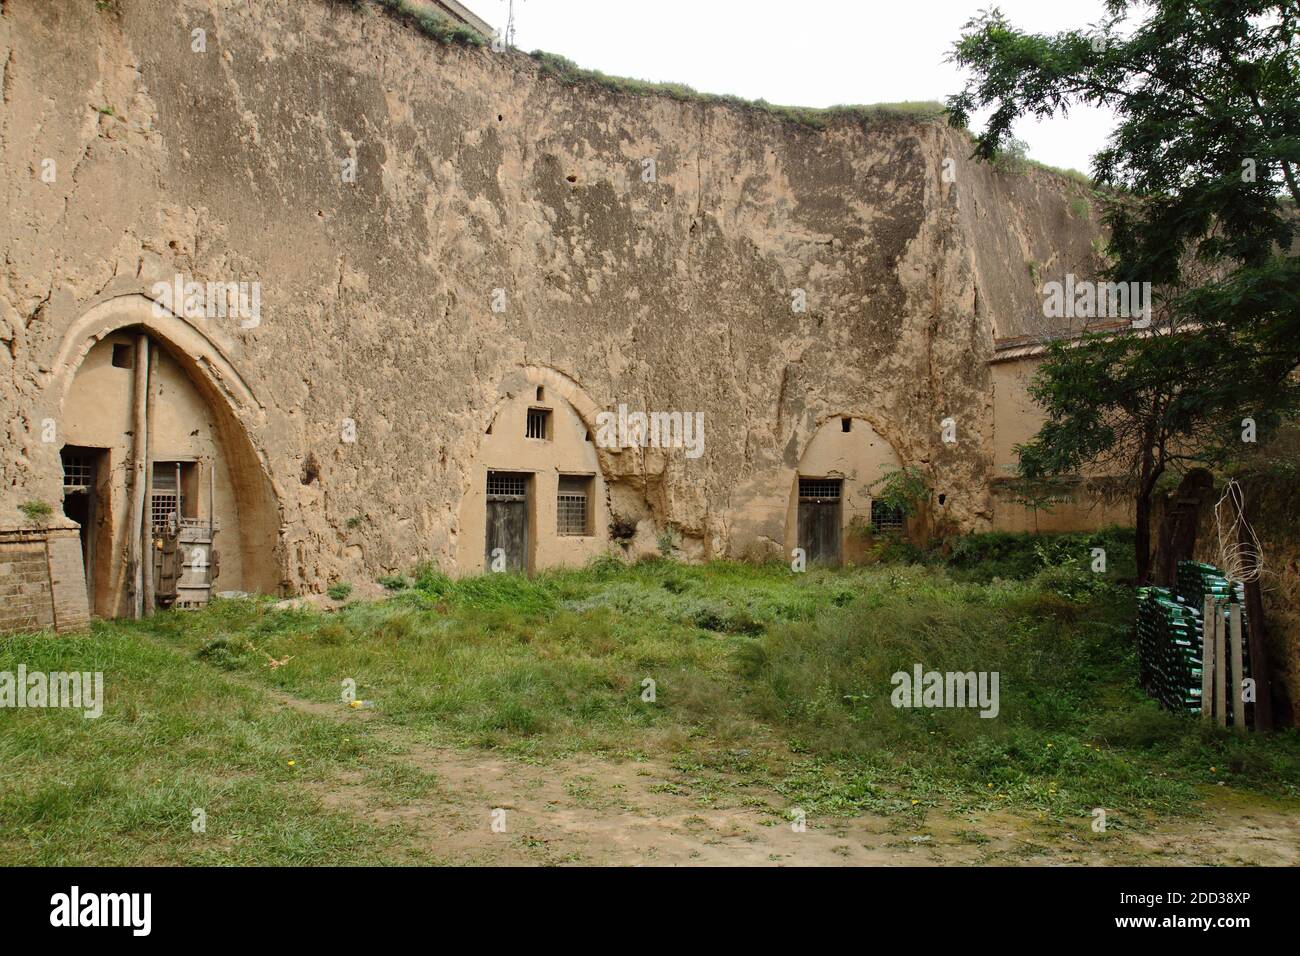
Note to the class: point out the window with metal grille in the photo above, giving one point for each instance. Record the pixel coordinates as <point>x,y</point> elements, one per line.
<point>172,493</point>
<point>885,518</point>
<point>162,506</point>
<point>78,470</point>
<point>507,484</point>
<point>572,505</point>
<point>820,489</point>
<point>539,423</point>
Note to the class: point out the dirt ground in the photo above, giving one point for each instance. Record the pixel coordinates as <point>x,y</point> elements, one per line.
<point>601,811</point>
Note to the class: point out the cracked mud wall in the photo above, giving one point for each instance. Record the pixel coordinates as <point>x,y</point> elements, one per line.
<point>475,173</point>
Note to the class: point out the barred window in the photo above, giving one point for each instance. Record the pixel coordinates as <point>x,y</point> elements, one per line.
<point>161,508</point>
<point>573,505</point>
<point>507,485</point>
<point>820,489</point>
<point>885,518</point>
<point>174,491</point>
<point>539,423</point>
<point>166,498</point>
<point>78,470</point>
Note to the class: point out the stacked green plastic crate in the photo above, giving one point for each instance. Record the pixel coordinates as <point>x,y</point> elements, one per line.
<point>1170,631</point>
<point>1169,650</point>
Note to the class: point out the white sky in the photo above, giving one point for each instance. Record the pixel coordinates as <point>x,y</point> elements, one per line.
<point>806,53</point>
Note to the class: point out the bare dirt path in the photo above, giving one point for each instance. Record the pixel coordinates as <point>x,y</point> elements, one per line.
<point>598,810</point>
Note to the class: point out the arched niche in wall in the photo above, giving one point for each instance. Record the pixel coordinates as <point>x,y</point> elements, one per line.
<point>537,497</point>
<point>203,410</point>
<point>831,501</point>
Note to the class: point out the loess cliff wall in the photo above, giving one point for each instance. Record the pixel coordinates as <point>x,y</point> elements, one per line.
<point>499,231</point>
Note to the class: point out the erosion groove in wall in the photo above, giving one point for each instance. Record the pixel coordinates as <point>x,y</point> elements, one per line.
<point>475,173</point>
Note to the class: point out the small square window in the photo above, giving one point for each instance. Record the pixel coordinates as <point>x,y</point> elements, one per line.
<point>541,394</point>
<point>539,424</point>
<point>78,469</point>
<point>123,356</point>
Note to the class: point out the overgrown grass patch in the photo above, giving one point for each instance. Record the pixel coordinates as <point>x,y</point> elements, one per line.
<point>800,663</point>
<point>749,680</point>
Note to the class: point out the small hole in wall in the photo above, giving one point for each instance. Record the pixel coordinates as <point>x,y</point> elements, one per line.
<point>489,429</point>
<point>500,117</point>
<point>572,179</point>
<point>846,424</point>
<point>541,393</point>
<point>310,469</point>
<point>123,356</point>
<point>942,497</point>
<point>588,435</point>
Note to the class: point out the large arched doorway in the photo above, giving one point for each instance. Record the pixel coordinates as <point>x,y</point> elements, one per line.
<point>173,501</point>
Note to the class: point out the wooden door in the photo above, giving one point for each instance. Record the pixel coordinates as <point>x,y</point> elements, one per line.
<point>506,538</point>
<point>820,523</point>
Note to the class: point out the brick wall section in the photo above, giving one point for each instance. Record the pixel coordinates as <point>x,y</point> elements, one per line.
<point>42,582</point>
<point>25,601</point>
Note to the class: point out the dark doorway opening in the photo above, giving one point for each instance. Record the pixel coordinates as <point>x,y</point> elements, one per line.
<point>82,469</point>
<point>820,520</point>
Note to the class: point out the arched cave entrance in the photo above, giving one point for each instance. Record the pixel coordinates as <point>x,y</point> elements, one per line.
<point>199,515</point>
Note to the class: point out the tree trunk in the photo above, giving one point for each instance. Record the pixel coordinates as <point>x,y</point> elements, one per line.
<point>1142,536</point>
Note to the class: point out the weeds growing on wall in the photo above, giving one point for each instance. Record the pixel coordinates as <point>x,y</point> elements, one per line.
<point>36,511</point>
<point>433,25</point>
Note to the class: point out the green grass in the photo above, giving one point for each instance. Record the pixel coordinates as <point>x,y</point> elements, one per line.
<point>433,25</point>
<point>569,73</point>
<point>761,676</point>
<point>175,736</point>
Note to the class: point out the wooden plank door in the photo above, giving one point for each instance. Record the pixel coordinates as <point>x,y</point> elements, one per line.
<point>820,519</point>
<point>507,521</point>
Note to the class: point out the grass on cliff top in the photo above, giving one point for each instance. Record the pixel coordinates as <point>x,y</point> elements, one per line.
<point>756,671</point>
<point>433,25</point>
<point>569,73</point>
<point>444,31</point>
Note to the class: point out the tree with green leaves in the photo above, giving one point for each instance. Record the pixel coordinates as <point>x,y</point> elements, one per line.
<point>1198,184</point>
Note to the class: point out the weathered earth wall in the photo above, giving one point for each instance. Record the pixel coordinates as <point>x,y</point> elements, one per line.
<point>474,173</point>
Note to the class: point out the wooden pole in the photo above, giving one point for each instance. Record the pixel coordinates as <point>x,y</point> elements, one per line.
<point>138,437</point>
<point>146,542</point>
<point>1207,659</point>
<point>1255,634</point>
<point>1220,668</point>
<point>1234,691</point>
